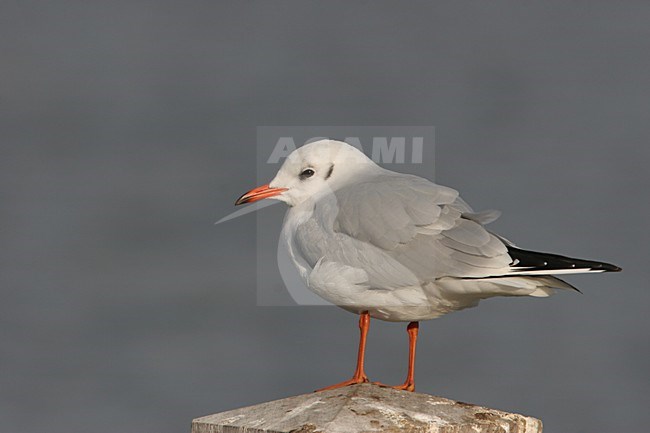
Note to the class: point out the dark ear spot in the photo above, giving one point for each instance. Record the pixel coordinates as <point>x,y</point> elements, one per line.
<point>329,172</point>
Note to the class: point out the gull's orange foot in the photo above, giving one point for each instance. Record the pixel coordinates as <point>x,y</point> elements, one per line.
<point>406,386</point>
<point>355,380</point>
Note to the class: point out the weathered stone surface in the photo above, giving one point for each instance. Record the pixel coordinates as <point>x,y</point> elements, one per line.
<point>365,408</point>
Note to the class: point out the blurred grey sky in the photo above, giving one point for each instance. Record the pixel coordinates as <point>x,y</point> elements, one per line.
<point>128,128</point>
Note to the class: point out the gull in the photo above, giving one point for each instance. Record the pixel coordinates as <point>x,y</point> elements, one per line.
<point>398,247</point>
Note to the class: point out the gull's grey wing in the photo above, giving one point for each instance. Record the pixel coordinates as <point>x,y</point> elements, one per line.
<point>387,210</point>
<point>425,227</point>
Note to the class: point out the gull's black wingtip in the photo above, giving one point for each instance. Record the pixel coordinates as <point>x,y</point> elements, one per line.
<point>538,261</point>
<point>608,267</point>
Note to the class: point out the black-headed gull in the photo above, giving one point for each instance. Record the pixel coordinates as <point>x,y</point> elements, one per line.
<point>398,247</point>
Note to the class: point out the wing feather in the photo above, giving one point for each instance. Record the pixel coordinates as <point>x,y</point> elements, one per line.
<point>491,249</point>
<point>468,232</point>
<point>425,227</point>
<point>387,210</point>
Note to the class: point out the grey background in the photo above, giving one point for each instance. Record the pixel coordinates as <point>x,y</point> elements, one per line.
<point>128,128</point>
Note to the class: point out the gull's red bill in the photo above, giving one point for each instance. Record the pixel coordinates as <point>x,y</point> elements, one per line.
<point>259,193</point>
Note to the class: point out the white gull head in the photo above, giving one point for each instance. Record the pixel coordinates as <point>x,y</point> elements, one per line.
<point>313,170</point>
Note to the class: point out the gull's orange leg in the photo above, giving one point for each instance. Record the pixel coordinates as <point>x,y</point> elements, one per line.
<point>409,383</point>
<point>359,374</point>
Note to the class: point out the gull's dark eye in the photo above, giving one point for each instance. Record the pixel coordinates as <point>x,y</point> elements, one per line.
<point>306,173</point>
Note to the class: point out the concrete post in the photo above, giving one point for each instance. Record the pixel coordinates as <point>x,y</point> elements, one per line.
<point>365,408</point>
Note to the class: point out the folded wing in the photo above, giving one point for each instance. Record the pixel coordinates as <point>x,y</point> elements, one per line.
<point>423,226</point>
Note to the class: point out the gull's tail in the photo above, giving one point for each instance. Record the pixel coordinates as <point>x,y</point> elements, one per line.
<point>531,273</point>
